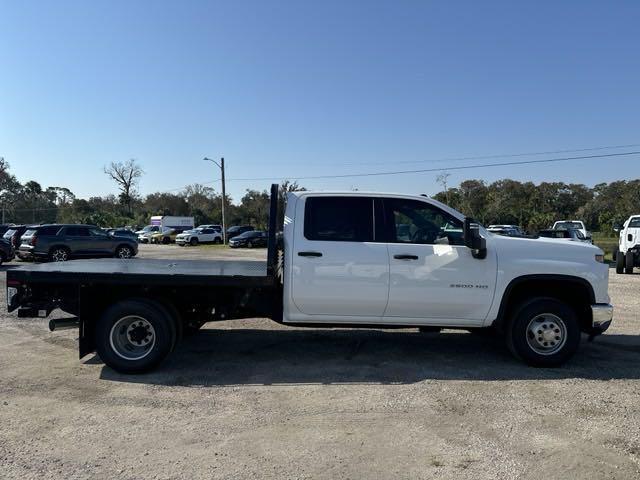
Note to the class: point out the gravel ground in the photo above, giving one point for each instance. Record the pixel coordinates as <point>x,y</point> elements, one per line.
<point>252,399</point>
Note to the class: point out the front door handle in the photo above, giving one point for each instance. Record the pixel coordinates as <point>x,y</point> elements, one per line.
<point>404,256</point>
<point>309,254</point>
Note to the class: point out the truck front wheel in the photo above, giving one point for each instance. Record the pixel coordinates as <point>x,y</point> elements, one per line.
<point>544,332</point>
<point>629,261</point>
<point>134,336</point>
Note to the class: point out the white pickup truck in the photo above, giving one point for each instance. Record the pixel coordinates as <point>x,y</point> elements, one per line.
<point>628,254</point>
<point>346,259</point>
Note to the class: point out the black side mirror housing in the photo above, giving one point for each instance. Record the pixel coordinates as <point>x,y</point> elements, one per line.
<point>473,240</point>
<point>617,227</point>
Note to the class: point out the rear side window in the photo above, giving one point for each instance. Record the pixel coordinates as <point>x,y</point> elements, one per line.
<point>77,232</point>
<point>339,219</point>
<point>49,231</point>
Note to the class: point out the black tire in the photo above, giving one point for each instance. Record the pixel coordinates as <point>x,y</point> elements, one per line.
<point>628,263</point>
<point>193,242</point>
<point>114,352</point>
<point>166,240</point>
<point>555,319</point>
<point>2,258</point>
<point>59,254</point>
<point>620,263</point>
<point>249,245</point>
<point>217,241</point>
<point>124,252</point>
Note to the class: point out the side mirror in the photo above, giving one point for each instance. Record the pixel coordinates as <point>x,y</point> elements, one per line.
<point>617,227</point>
<point>473,240</point>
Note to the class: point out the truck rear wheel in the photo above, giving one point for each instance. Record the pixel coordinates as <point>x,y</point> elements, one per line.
<point>544,332</point>
<point>629,261</point>
<point>134,336</point>
<point>620,262</point>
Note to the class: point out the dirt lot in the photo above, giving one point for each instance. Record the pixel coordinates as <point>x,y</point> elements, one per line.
<point>252,399</point>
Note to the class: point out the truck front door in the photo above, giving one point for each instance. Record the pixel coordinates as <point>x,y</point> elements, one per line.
<point>433,275</point>
<point>338,268</point>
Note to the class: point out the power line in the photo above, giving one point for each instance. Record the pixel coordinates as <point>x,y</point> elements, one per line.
<point>427,170</point>
<point>505,155</point>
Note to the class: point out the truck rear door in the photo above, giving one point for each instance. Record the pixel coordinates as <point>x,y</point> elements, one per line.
<point>338,268</point>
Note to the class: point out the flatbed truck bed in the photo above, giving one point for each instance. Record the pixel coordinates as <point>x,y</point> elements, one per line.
<point>136,271</point>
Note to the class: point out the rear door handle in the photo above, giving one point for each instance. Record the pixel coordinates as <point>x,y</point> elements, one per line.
<point>309,254</point>
<point>404,256</point>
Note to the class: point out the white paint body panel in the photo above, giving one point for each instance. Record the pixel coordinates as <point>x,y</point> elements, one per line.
<point>629,236</point>
<point>357,283</point>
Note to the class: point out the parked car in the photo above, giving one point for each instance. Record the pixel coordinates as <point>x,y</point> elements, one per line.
<point>7,252</point>
<point>564,234</point>
<point>199,235</point>
<point>145,234</point>
<point>216,227</point>
<point>506,230</point>
<point>166,236</point>
<point>14,234</point>
<point>59,243</point>
<point>573,225</point>
<point>122,232</point>
<point>253,238</point>
<point>628,254</point>
<point>237,230</point>
<point>5,227</point>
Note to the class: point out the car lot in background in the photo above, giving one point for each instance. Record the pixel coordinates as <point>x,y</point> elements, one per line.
<point>123,232</point>
<point>250,239</point>
<point>572,225</point>
<point>14,234</point>
<point>571,235</point>
<point>199,235</point>
<point>237,230</point>
<point>506,230</point>
<point>59,243</point>
<point>166,236</point>
<point>145,234</point>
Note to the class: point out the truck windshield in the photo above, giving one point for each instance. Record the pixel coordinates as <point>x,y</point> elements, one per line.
<point>568,225</point>
<point>634,223</point>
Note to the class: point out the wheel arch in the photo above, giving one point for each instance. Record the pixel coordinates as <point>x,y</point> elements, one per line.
<point>575,291</point>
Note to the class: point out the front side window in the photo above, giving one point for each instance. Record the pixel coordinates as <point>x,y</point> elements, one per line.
<point>412,221</point>
<point>339,219</point>
<point>96,232</point>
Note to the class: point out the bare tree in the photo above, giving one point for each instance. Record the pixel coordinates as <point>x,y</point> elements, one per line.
<point>443,179</point>
<point>126,175</point>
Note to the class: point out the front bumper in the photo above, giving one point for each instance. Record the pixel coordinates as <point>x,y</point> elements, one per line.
<point>601,317</point>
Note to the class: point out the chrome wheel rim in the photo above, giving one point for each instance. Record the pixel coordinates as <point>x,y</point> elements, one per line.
<point>546,334</point>
<point>132,337</point>
<point>60,255</point>
<point>124,253</point>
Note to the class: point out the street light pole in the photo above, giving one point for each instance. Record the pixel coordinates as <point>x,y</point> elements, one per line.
<point>224,195</point>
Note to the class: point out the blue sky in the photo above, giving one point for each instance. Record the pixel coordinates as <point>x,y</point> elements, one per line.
<point>288,89</point>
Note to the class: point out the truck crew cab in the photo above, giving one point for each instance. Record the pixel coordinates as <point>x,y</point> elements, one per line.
<point>346,259</point>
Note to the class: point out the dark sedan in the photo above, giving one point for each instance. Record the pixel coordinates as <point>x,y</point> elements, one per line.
<point>254,238</point>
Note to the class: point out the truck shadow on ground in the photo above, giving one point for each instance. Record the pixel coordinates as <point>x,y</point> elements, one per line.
<point>290,357</point>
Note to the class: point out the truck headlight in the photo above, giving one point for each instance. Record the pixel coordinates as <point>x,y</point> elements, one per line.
<point>600,258</point>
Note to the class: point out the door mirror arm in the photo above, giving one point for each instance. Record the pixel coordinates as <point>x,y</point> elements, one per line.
<point>473,240</point>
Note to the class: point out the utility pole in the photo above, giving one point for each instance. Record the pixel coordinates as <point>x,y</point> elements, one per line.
<point>224,195</point>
